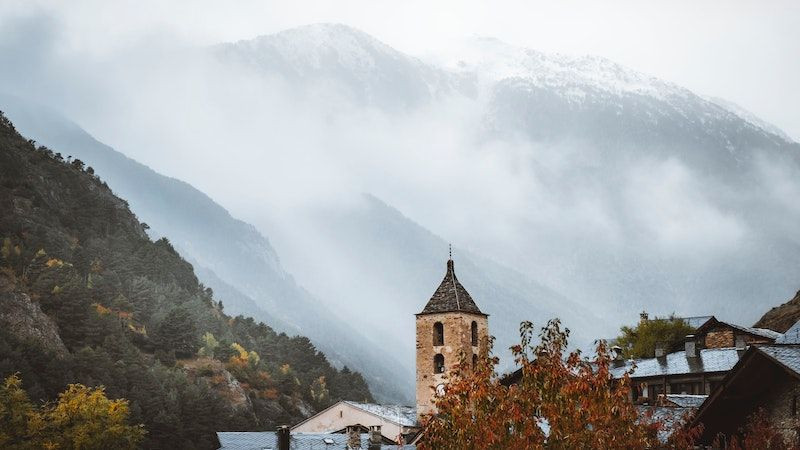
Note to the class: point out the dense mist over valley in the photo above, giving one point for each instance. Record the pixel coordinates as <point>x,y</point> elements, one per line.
<point>323,174</point>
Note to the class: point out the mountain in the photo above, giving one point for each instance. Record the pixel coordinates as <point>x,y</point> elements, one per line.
<point>781,318</point>
<point>570,180</point>
<point>87,297</point>
<point>230,256</point>
<point>635,193</point>
<point>344,61</point>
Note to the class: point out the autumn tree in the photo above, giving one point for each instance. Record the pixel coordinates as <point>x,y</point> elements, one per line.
<point>640,341</point>
<point>560,401</point>
<point>15,413</point>
<point>83,418</point>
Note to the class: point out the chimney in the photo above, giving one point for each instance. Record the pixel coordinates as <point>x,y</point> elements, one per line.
<point>691,346</point>
<point>353,437</point>
<point>616,352</point>
<point>375,437</point>
<point>283,437</point>
<point>741,345</point>
<point>643,316</point>
<point>660,351</point>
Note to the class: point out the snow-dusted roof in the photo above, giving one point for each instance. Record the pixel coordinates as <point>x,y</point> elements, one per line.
<point>687,400</point>
<point>708,360</point>
<point>792,335</point>
<point>695,321</point>
<point>764,332</point>
<point>260,440</point>
<point>671,418</point>
<point>402,415</point>
<point>787,355</point>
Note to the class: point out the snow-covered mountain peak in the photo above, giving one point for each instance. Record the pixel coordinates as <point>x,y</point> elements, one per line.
<point>493,60</point>
<point>318,46</point>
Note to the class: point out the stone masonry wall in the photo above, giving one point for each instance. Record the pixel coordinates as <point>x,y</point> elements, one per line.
<point>721,338</point>
<point>457,339</point>
<point>778,406</point>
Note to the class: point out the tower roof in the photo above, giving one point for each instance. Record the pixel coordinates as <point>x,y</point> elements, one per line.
<point>451,296</point>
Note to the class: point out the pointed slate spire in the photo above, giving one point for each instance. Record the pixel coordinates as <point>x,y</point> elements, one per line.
<point>451,296</point>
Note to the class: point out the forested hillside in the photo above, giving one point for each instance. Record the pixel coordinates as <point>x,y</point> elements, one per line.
<point>86,297</point>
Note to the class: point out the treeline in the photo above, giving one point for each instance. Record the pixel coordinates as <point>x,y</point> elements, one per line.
<point>133,316</point>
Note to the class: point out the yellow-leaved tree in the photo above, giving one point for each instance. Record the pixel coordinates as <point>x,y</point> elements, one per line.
<point>82,418</point>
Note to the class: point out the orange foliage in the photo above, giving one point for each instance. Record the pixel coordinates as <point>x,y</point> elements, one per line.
<point>561,401</point>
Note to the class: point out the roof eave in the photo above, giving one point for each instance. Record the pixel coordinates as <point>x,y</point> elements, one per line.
<point>452,311</point>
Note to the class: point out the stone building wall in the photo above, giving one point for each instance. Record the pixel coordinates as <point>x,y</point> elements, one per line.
<point>726,337</point>
<point>720,338</point>
<point>457,339</point>
<point>779,410</point>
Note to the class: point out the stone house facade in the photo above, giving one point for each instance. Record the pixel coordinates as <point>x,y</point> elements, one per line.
<point>767,377</point>
<point>717,334</point>
<point>708,355</point>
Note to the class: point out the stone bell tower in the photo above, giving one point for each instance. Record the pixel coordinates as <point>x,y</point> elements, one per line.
<point>451,324</point>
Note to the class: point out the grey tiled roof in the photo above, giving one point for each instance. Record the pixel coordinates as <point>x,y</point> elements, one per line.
<point>402,415</point>
<point>709,360</point>
<point>763,332</point>
<point>450,296</point>
<point>261,440</point>
<point>695,321</point>
<point>671,418</point>
<point>788,355</point>
<point>792,335</point>
<point>687,400</point>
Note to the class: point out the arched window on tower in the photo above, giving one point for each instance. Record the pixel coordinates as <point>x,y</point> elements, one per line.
<point>438,363</point>
<point>438,334</point>
<point>474,361</point>
<point>474,333</point>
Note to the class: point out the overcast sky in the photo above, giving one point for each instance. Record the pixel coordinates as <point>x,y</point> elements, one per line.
<point>744,51</point>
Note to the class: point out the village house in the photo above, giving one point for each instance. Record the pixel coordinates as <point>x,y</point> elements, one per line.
<point>767,376</point>
<point>393,421</point>
<point>708,355</point>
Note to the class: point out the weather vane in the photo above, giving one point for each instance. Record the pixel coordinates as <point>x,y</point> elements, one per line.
<point>450,246</point>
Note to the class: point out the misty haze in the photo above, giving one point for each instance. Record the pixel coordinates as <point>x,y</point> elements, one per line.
<point>316,169</point>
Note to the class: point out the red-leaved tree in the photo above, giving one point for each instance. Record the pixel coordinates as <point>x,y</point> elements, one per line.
<point>560,401</point>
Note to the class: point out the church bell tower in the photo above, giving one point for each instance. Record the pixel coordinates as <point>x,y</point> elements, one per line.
<point>451,324</point>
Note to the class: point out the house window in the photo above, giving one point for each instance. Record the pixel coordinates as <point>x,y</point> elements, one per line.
<point>438,363</point>
<point>474,361</point>
<point>686,388</point>
<point>474,333</point>
<point>438,334</point>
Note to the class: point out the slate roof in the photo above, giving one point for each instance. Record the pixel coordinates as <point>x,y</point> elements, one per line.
<point>695,321</point>
<point>708,360</point>
<point>713,322</point>
<point>670,417</point>
<point>261,440</point>
<point>787,355</point>
<point>686,400</point>
<point>451,296</point>
<point>402,415</point>
<point>763,332</point>
<point>792,335</point>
